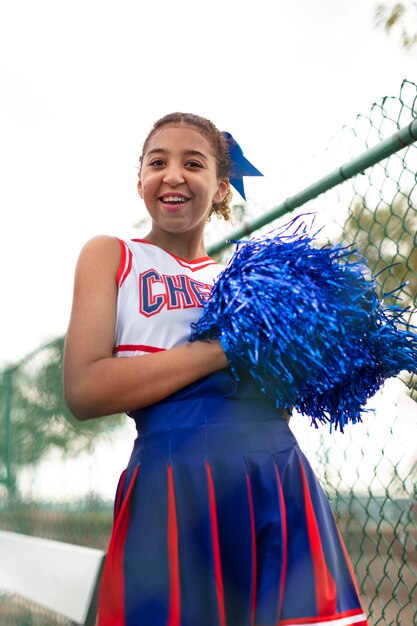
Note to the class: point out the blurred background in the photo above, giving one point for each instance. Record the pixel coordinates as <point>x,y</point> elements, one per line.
<point>305,88</point>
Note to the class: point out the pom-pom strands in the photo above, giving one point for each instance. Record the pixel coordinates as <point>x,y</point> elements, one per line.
<point>307,325</point>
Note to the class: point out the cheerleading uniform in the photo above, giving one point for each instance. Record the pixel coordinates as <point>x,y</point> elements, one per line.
<point>219,519</point>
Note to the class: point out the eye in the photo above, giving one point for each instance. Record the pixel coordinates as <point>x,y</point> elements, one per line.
<point>156,163</point>
<point>193,164</point>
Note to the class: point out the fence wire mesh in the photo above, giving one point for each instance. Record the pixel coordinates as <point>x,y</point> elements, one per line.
<point>57,476</point>
<point>382,223</point>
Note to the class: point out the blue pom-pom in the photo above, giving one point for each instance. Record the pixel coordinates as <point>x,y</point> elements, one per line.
<point>306,323</point>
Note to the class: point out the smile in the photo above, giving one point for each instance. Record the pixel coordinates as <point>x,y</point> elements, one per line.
<point>174,199</point>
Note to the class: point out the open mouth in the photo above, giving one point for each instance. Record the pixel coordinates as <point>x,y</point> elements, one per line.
<point>173,200</point>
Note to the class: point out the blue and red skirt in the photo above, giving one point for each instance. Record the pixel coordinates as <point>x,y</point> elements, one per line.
<point>220,521</point>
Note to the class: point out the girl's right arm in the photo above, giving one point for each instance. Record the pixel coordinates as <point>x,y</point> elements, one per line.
<point>95,382</point>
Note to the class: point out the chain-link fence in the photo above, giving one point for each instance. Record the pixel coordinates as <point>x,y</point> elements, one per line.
<point>58,475</point>
<point>373,489</point>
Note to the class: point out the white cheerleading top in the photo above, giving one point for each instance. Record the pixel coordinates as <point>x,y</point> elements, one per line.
<point>159,296</point>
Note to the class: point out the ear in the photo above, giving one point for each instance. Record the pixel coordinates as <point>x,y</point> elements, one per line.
<point>222,190</point>
<point>140,188</point>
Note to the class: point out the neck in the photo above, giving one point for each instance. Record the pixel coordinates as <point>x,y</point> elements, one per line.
<point>187,248</point>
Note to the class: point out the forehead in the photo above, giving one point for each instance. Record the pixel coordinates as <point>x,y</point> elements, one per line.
<point>179,137</point>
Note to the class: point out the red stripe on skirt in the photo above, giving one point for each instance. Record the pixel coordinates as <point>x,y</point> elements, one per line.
<point>111,605</point>
<point>173,559</point>
<point>119,496</point>
<point>325,585</point>
<point>253,542</point>
<point>283,516</point>
<point>355,617</point>
<point>216,547</point>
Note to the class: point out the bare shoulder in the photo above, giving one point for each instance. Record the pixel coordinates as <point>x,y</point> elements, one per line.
<point>92,320</point>
<point>90,334</point>
<point>102,246</point>
<point>101,254</point>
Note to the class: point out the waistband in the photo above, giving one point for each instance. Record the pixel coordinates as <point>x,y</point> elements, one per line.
<point>217,398</point>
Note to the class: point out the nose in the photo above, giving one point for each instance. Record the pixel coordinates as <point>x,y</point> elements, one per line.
<point>173,175</point>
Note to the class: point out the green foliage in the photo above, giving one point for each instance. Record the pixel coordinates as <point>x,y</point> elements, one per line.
<point>387,237</point>
<point>87,523</point>
<point>34,413</point>
<point>398,17</point>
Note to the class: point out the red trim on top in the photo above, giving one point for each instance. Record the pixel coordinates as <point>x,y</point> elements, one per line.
<point>195,269</point>
<point>122,261</point>
<point>324,582</point>
<point>174,615</point>
<point>133,347</point>
<point>205,260</point>
<point>283,517</point>
<point>218,578</point>
<point>111,607</point>
<point>357,616</point>
<point>253,544</point>
<point>125,264</point>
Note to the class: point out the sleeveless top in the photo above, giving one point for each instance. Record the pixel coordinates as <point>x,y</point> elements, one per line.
<point>159,296</point>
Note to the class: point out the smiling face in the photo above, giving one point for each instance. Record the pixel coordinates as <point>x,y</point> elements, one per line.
<point>178,181</point>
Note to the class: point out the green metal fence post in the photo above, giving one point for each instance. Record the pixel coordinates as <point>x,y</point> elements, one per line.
<point>401,139</point>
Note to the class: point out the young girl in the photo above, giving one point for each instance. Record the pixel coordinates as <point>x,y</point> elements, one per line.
<point>219,519</point>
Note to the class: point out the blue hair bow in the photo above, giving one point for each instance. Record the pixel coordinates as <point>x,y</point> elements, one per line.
<point>240,166</point>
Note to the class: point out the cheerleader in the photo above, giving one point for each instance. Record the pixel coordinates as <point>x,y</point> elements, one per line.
<point>219,519</point>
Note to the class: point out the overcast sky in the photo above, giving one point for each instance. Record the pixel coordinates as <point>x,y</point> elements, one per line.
<point>82,81</point>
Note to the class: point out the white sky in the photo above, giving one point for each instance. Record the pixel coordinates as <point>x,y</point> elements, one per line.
<point>81,82</point>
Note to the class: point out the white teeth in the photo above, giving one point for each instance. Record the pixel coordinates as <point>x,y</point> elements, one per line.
<point>174,199</point>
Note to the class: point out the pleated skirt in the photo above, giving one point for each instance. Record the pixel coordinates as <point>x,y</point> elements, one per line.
<point>220,521</point>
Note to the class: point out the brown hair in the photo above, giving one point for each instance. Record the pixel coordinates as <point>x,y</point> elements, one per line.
<point>219,146</point>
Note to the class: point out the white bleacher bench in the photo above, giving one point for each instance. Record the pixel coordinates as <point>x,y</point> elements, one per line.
<point>59,576</point>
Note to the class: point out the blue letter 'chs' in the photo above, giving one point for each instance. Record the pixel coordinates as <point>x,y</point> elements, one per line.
<point>172,292</point>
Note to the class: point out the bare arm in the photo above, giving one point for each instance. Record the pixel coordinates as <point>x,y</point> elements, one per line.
<point>97,384</point>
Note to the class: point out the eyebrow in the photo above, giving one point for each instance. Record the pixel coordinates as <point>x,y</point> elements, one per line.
<point>186,152</point>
